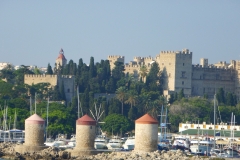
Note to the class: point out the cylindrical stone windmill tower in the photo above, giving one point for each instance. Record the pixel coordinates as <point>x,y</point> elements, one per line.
<point>146,134</point>
<point>85,136</point>
<point>34,135</point>
<point>34,131</point>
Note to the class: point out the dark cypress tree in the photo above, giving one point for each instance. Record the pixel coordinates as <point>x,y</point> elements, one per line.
<point>79,67</point>
<point>49,69</point>
<point>180,94</point>
<point>92,70</point>
<point>117,72</point>
<point>221,96</point>
<point>230,100</point>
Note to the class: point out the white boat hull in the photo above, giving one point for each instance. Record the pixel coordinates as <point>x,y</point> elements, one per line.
<point>100,145</point>
<point>129,146</point>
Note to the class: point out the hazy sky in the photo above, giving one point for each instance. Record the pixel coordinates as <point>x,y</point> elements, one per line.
<point>33,32</point>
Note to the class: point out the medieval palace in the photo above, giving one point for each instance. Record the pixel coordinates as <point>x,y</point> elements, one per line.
<point>177,70</point>
<point>179,73</point>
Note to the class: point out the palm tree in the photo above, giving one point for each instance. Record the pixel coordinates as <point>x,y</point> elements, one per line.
<point>131,98</point>
<point>145,100</point>
<point>143,72</point>
<point>155,106</point>
<point>121,95</point>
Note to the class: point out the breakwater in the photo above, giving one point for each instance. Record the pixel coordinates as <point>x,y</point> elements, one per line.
<point>7,151</point>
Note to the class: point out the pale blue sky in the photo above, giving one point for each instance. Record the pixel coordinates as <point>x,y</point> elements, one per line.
<point>32,32</point>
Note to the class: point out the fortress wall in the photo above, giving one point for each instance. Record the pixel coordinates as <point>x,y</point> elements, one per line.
<point>113,58</point>
<point>69,82</point>
<point>208,80</point>
<point>237,78</point>
<point>54,80</point>
<point>35,79</point>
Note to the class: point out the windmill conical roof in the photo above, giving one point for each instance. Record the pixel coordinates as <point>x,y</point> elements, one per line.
<point>35,119</point>
<point>86,120</point>
<point>146,119</point>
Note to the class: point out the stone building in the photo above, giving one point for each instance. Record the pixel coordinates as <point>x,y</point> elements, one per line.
<point>68,81</point>
<point>176,70</point>
<point>196,80</point>
<point>112,59</point>
<point>54,80</point>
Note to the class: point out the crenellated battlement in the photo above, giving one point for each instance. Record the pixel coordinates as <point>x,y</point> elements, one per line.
<point>54,80</point>
<point>35,76</point>
<point>212,67</point>
<point>183,52</point>
<point>115,56</point>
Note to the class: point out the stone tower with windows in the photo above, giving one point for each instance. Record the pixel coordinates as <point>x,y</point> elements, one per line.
<point>176,67</point>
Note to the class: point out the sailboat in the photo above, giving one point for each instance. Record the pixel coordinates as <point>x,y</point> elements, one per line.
<point>202,146</point>
<point>163,141</point>
<point>230,151</point>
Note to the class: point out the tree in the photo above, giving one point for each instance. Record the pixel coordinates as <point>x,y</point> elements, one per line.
<point>131,98</point>
<point>180,94</point>
<point>36,71</point>
<point>117,72</point>
<point>230,99</point>
<point>116,124</point>
<point>221,96</point>
<point>153,79</point>
<point>92,70</point>
<point>49,69</point>
<point>143,72</point>
<point>121,95</point>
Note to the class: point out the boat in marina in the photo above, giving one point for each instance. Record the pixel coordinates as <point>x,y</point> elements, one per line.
<point>61,142</point>
<point>181,143</point>
<point>229,153</point>
<point>100,142</point>
<point>201,146</point>
<point>115,143</point>
<point>13,135</point>
<point>129,143</point>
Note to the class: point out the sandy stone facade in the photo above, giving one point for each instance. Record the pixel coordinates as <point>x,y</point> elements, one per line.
<point>34,134</point>
<point>85,136</point>
<point>113,58</point>
<point>146,137</point>
<point>67,80</point>
<point>195,80</point>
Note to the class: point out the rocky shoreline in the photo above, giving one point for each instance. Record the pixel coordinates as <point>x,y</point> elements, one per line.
<point>7,152</point>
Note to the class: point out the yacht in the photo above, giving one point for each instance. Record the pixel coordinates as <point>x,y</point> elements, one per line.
<point>229,153</point>
<point>100,142</point>
<point>201,146</point>
<point>180,142</point>
<point>129,143</point>
<point>61,142</point>
<point>115,143</point>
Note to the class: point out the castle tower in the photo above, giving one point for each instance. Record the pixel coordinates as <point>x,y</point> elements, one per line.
<point>61,60</point>
<point>112,59</point>
<point>34,135</point>
<point>85,136</point>
<point>204,62</point>
<point>146,134</point>
<point>176,67</point>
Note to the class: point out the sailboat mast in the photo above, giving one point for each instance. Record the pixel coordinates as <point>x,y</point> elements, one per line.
<point>165,134</point>
<point>30,105</point>
<point>214,119</point>
<point>78,102</point>
<point>35,103</point>
<point>47,116</point>
<point>161,122</point>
